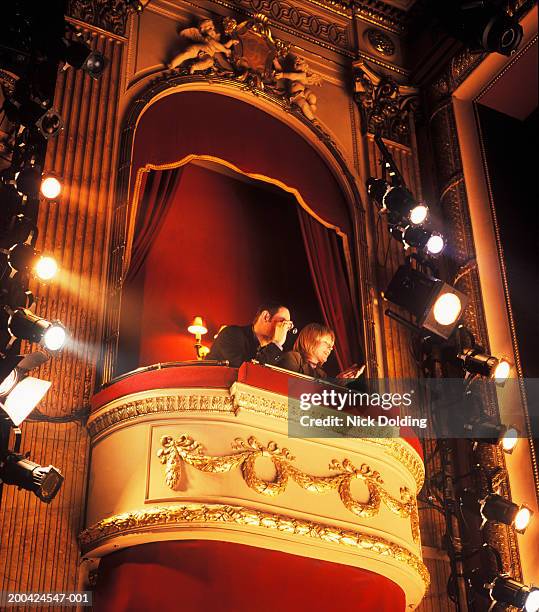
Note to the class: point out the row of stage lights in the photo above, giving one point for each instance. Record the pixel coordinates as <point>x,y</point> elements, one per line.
<point>437,307</point>
<point>21,187</point>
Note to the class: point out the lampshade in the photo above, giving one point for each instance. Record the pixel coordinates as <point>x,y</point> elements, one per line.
<point>198,326</point>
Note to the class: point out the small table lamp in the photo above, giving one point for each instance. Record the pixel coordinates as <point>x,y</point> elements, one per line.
<point>198,329</point>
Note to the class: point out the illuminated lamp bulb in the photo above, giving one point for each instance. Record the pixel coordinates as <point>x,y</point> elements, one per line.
<point>522,519</point>
<point>54,338</point>
<point>51,187</point>
<point>435,244</point>
<point>46,268</point>
<point>510,440</point>
<point>501,371</point>
<point>447,309</point>
<point>197,327</point>
<point>418,214</point>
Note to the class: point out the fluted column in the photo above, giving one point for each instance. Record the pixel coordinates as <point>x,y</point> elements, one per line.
<point>41,552</point>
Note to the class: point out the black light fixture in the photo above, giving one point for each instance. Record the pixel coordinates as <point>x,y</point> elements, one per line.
<point>24,258</point>
<point>28,180</point>
<point>44,482</point>
<point>24,324</point>
<point>505,590</point>
<point>397,201</point>
<point>486,429</point>
<point>497,508</point>
<point>430,242</point>
<point>436,305</point>
<point>32,113</point>
<point>482,25</point>
<point>475,361</point>
<point>79,55</point>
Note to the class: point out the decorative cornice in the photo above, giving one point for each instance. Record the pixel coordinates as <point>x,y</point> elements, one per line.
<point>380,14</point>
<point>174,452</point>
<point>296,21</point>
<point>108,15</point>
<point>171,517</point>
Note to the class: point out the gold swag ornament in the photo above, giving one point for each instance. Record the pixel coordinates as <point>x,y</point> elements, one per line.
<point>184,449</point>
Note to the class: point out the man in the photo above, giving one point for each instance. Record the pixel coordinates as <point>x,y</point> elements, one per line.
<point>263,340</point>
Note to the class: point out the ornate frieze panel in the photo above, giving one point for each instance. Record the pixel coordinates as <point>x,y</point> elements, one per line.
<point>384,104</point>
<point>175,452</point>
<point>109,15</point>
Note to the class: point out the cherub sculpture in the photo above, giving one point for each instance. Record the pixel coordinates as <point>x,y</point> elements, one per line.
<point>298,78</point>
<point>205,44</point>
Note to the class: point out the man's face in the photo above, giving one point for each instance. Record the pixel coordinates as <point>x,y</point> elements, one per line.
<point>283,314</point>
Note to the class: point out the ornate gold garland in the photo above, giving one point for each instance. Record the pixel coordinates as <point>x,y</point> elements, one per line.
<point>174,452</point>
<point>171,516</point>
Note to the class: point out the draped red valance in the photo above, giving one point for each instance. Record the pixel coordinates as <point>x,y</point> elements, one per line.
<point>203,123</point>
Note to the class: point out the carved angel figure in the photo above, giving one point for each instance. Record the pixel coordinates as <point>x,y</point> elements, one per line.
<point>298,78</point>
<point>205,44</point>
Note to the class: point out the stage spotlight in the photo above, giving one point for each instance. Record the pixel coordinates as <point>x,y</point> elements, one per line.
<point>506,590</point>
<point>80,56</point>
<point>23,257</point>
<point>45,268</point>
<point>44,482</point>
<point>28,181</point>
<point>476,362</point>
<point>26,325</point>
<point>435,244</point>
<point>510,440</point>
<point>431,243</point>
<point>496,508</point>
<point>418,214</point>
<point>436,305</point>
<point>50,124</point>
<point>51,187</point>
<point>481,25</point>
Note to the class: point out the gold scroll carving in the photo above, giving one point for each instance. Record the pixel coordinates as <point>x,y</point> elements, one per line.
<point>184,449</point>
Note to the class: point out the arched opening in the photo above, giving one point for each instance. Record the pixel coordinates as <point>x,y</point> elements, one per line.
<point>230,207</point>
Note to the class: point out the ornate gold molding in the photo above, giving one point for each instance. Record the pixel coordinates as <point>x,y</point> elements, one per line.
<point>169,517</point>
<point>384,104</point>
<point>185,449</point>
<point>132,409</point>
<point>108,15</point>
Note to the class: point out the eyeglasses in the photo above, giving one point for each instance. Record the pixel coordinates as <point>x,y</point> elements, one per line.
<point>330,345</point>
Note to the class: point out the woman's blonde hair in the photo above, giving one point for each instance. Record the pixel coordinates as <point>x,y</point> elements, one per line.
<point>309,336</point>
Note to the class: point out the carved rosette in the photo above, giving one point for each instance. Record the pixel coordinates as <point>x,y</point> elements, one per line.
<point>384,105</point>
<point>174,452</point>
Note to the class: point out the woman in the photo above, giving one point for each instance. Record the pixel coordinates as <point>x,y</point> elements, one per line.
<point>311,351</point>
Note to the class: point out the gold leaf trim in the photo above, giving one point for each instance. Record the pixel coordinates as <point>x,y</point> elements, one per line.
<point>133,409</point>
<point>185,448</point>
<point>146,519</point>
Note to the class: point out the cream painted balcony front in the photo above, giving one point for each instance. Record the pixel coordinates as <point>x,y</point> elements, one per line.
<point>202,453</point>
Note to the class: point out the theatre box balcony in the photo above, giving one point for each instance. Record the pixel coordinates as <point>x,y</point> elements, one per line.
<point>198,498</point>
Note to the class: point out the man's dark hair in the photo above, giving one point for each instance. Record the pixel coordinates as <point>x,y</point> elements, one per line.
<point>271,307</point>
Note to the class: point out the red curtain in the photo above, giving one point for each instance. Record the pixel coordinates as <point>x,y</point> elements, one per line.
<point>205,576</point>
<point>157,194</point>
<point>326,261</point>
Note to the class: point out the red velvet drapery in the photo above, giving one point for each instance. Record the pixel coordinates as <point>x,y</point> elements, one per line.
<point>157,195</point>
<point>328,270</point>
<point>205,576</point>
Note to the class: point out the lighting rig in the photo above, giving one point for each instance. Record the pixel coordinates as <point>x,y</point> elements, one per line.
<point>35,43</point>
<point>448,350</point>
